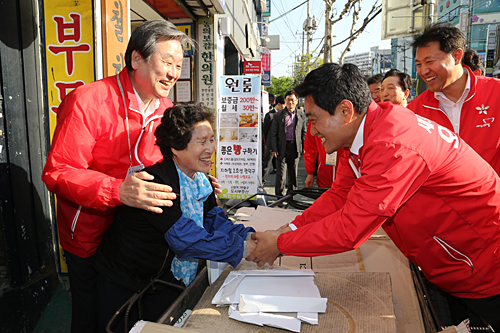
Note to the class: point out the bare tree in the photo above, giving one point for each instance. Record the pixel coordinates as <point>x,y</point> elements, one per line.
<point>353,6</point>
<point>356,7</point>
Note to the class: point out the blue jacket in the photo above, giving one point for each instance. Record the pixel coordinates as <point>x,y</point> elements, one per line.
<point>218,240</point>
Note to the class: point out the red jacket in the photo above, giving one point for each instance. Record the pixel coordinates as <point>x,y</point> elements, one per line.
<point>443,198</point>
<point>89,158</point>
<point>479,119</point>
<point>315,156</point>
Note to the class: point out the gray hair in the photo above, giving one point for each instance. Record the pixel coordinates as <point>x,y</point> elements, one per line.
<point>146,36</point>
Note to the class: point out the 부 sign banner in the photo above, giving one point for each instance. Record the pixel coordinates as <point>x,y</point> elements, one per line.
<point>69,55</point>
<point>239,152</point>
<point>69,49</point>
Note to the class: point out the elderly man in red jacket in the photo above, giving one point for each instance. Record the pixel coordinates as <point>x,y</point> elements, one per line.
<point>104,135</point>
<point>442,197</point>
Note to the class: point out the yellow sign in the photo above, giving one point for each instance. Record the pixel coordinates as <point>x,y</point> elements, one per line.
<point>69,53</point>
<point>69,49</point>
<point>115,35</point>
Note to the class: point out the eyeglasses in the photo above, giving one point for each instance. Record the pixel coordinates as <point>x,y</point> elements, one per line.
<point>291,100</point>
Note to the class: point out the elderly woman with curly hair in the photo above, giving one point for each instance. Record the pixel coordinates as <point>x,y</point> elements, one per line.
<point>141,246</point>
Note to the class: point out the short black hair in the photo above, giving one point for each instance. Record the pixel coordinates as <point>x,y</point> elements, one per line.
<point>280,99</point>
<point>290,92</point>
<point>177,124</point>
<point>272,100</point>
<point>145,38</point>
<point>472,59</point>
<point>331,83</point>
<point>377,78</point>
<point>405,80</point>
<point>449,37</point>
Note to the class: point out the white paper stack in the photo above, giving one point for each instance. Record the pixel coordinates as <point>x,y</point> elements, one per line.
<point>277,298</point>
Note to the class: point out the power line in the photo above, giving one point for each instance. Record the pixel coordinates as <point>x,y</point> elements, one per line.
<point>291,10</point>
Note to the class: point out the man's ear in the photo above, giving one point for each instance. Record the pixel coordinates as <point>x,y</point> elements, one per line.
<point>347,110</point>
<point>135,59</point>
<point>457,56</point>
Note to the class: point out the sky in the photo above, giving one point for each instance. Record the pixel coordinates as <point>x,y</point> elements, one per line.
<point>289,27</point>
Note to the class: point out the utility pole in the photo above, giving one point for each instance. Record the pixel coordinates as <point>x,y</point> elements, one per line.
<point>327,47</point>
<point>310,25</point>
<point>308,34</point>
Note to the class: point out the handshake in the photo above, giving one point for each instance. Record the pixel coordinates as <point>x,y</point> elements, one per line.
<point>263,246</point>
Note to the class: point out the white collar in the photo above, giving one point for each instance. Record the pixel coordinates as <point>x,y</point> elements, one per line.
<point>142,107</point>
<point>358,139</point>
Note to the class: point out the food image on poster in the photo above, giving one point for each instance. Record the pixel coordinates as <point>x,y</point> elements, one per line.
<point>249,119</point>
<point>229,120</point>
<point>249,135</point>
<point>228,135</point>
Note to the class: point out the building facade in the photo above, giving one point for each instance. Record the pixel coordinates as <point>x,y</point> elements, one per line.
<point>377,60</point>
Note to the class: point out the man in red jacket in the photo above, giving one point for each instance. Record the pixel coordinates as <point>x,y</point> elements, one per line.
<point>317,161</point>
<point>399,163</point>
<point>457,99</point>
<point>104,134</point>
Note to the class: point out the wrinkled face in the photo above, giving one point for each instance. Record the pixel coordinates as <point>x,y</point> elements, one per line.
<point>330,129</point>
<point>291,102</point>
<point>391,91</point>
<point>197,157</point>
<point>375,90</point>
<point>154,79</point>
<point>437,68</point>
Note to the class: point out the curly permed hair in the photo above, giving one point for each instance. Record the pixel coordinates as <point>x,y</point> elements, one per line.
<point>177,124</point>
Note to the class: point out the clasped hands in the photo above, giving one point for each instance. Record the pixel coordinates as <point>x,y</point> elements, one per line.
<point>263,246</point>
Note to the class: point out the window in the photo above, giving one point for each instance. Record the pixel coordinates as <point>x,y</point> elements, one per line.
<point>478,32</point>
<point>485,6</point>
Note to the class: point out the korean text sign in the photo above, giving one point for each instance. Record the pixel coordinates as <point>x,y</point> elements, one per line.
<point>238,154</point>
<point>69,52</point>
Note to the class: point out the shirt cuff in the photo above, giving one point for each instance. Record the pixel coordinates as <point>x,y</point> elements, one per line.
<point>245,250</point>
<point>292,226</point>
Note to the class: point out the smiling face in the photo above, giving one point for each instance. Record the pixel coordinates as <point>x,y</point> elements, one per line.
<point>392,91</point>
<point>153,79</point>
<point>334,131</point>
<point>437,68</point>
<point>375,90</point>
<point>197,157</point>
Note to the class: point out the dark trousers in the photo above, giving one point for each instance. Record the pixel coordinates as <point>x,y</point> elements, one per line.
<point>486,308</point>
<point>83,283</point>
<point>287,167</point>
<point>112,297</point>
<point>266,164</point>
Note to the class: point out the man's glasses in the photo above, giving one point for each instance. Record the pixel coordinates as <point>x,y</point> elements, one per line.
<point>291,100</point>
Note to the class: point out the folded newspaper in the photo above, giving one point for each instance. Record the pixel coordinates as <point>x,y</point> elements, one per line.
<point>277,298</point>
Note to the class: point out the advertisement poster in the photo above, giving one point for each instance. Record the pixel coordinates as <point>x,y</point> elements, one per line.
<point>238,155</point>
